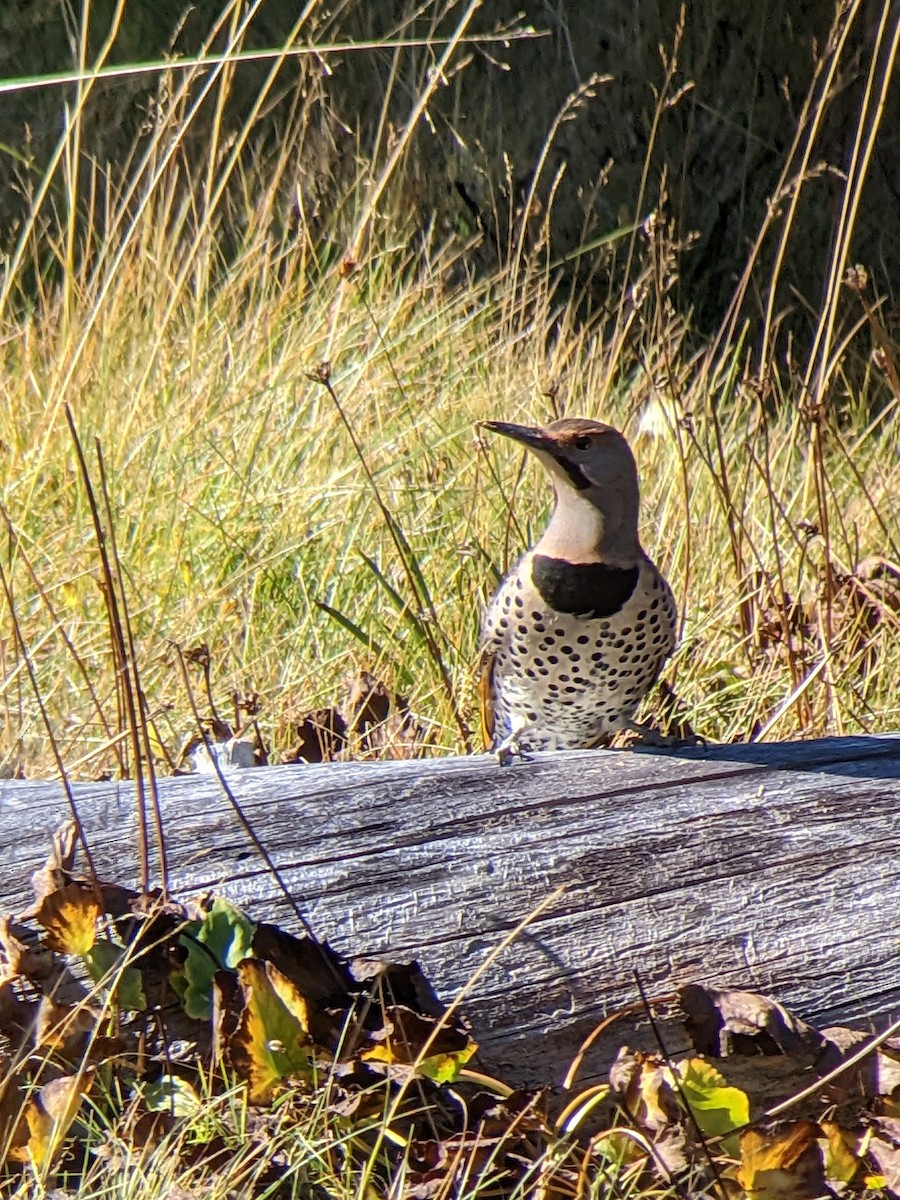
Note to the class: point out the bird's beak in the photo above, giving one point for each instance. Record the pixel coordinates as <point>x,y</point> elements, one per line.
<point>528,435</point>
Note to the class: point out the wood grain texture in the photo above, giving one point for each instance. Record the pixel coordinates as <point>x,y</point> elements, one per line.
<point>775,868</point>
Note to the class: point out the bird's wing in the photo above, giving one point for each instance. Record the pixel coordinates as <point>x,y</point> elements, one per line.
<point>486,696</point>
<point>493,635</point>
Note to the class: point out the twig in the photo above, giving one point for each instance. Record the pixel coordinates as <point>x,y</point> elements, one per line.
<point>676,1082</point>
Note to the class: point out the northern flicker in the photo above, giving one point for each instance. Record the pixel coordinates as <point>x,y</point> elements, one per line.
<point>578,630</point>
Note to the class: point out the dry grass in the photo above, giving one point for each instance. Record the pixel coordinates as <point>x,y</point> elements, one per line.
<point>240,504</point>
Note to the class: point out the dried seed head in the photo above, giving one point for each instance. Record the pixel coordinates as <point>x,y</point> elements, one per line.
<point>856,278</point>
<point>321,373</point>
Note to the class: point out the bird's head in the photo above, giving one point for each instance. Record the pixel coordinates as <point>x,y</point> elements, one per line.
<point>596,483</point>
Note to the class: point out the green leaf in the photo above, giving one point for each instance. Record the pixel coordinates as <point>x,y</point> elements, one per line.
<point>222,939</point>
<point>717,1108</point>
<point>375,648</point>
<point>104,965</point>
<point>445,1068</point>
<point>405,608</point>
<point>171,1094</point>
<point>271,1042</point>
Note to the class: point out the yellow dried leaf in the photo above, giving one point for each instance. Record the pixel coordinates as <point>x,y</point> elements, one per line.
<point>289,995</point>
<point>652,1098</point>
<point>843,1153</point>
<point>157,748</point>
<point>271,1040</point>
<point>69,916</point>
<point>49,1113</point>
<point>57,1023</point>
<point>60,860</point>
<point>782,1164</point>
<point>70,595</point>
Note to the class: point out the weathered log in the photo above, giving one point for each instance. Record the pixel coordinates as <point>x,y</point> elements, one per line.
<point>769,867</point>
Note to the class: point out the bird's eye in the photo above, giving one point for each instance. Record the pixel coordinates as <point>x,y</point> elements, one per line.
<point>583,443</point>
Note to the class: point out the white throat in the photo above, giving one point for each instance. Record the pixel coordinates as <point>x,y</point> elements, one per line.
<point>575,532</point>
<point>581,532</point>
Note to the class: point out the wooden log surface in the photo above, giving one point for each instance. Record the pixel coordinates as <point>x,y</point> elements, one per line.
<point>770,867</point>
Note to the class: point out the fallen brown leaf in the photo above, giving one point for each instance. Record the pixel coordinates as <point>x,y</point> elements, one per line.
<point>783,1162</point>
<point>725,1022</point>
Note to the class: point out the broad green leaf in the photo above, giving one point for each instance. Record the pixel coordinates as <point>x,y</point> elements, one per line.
<point>103,962</point>
<point>717,1108</point>
<point>445,1068</point>
<point>222,939</point>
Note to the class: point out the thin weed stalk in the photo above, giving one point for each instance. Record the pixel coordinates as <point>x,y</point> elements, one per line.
<point>817,377</point>
<point>113,740</point>
<point>242,817</point>
<point>793,178</point>
<point>48,724</point>
<point>139,709</point>
<point>414,576</point>
<point>125,666</point>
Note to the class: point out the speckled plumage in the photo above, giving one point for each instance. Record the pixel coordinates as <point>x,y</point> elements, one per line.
<point>579,629</point>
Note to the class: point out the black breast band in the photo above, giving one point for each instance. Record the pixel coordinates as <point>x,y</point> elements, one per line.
<point>590,589</point>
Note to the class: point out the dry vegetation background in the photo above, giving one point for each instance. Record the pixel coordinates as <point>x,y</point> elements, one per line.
<point>681,220</point>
